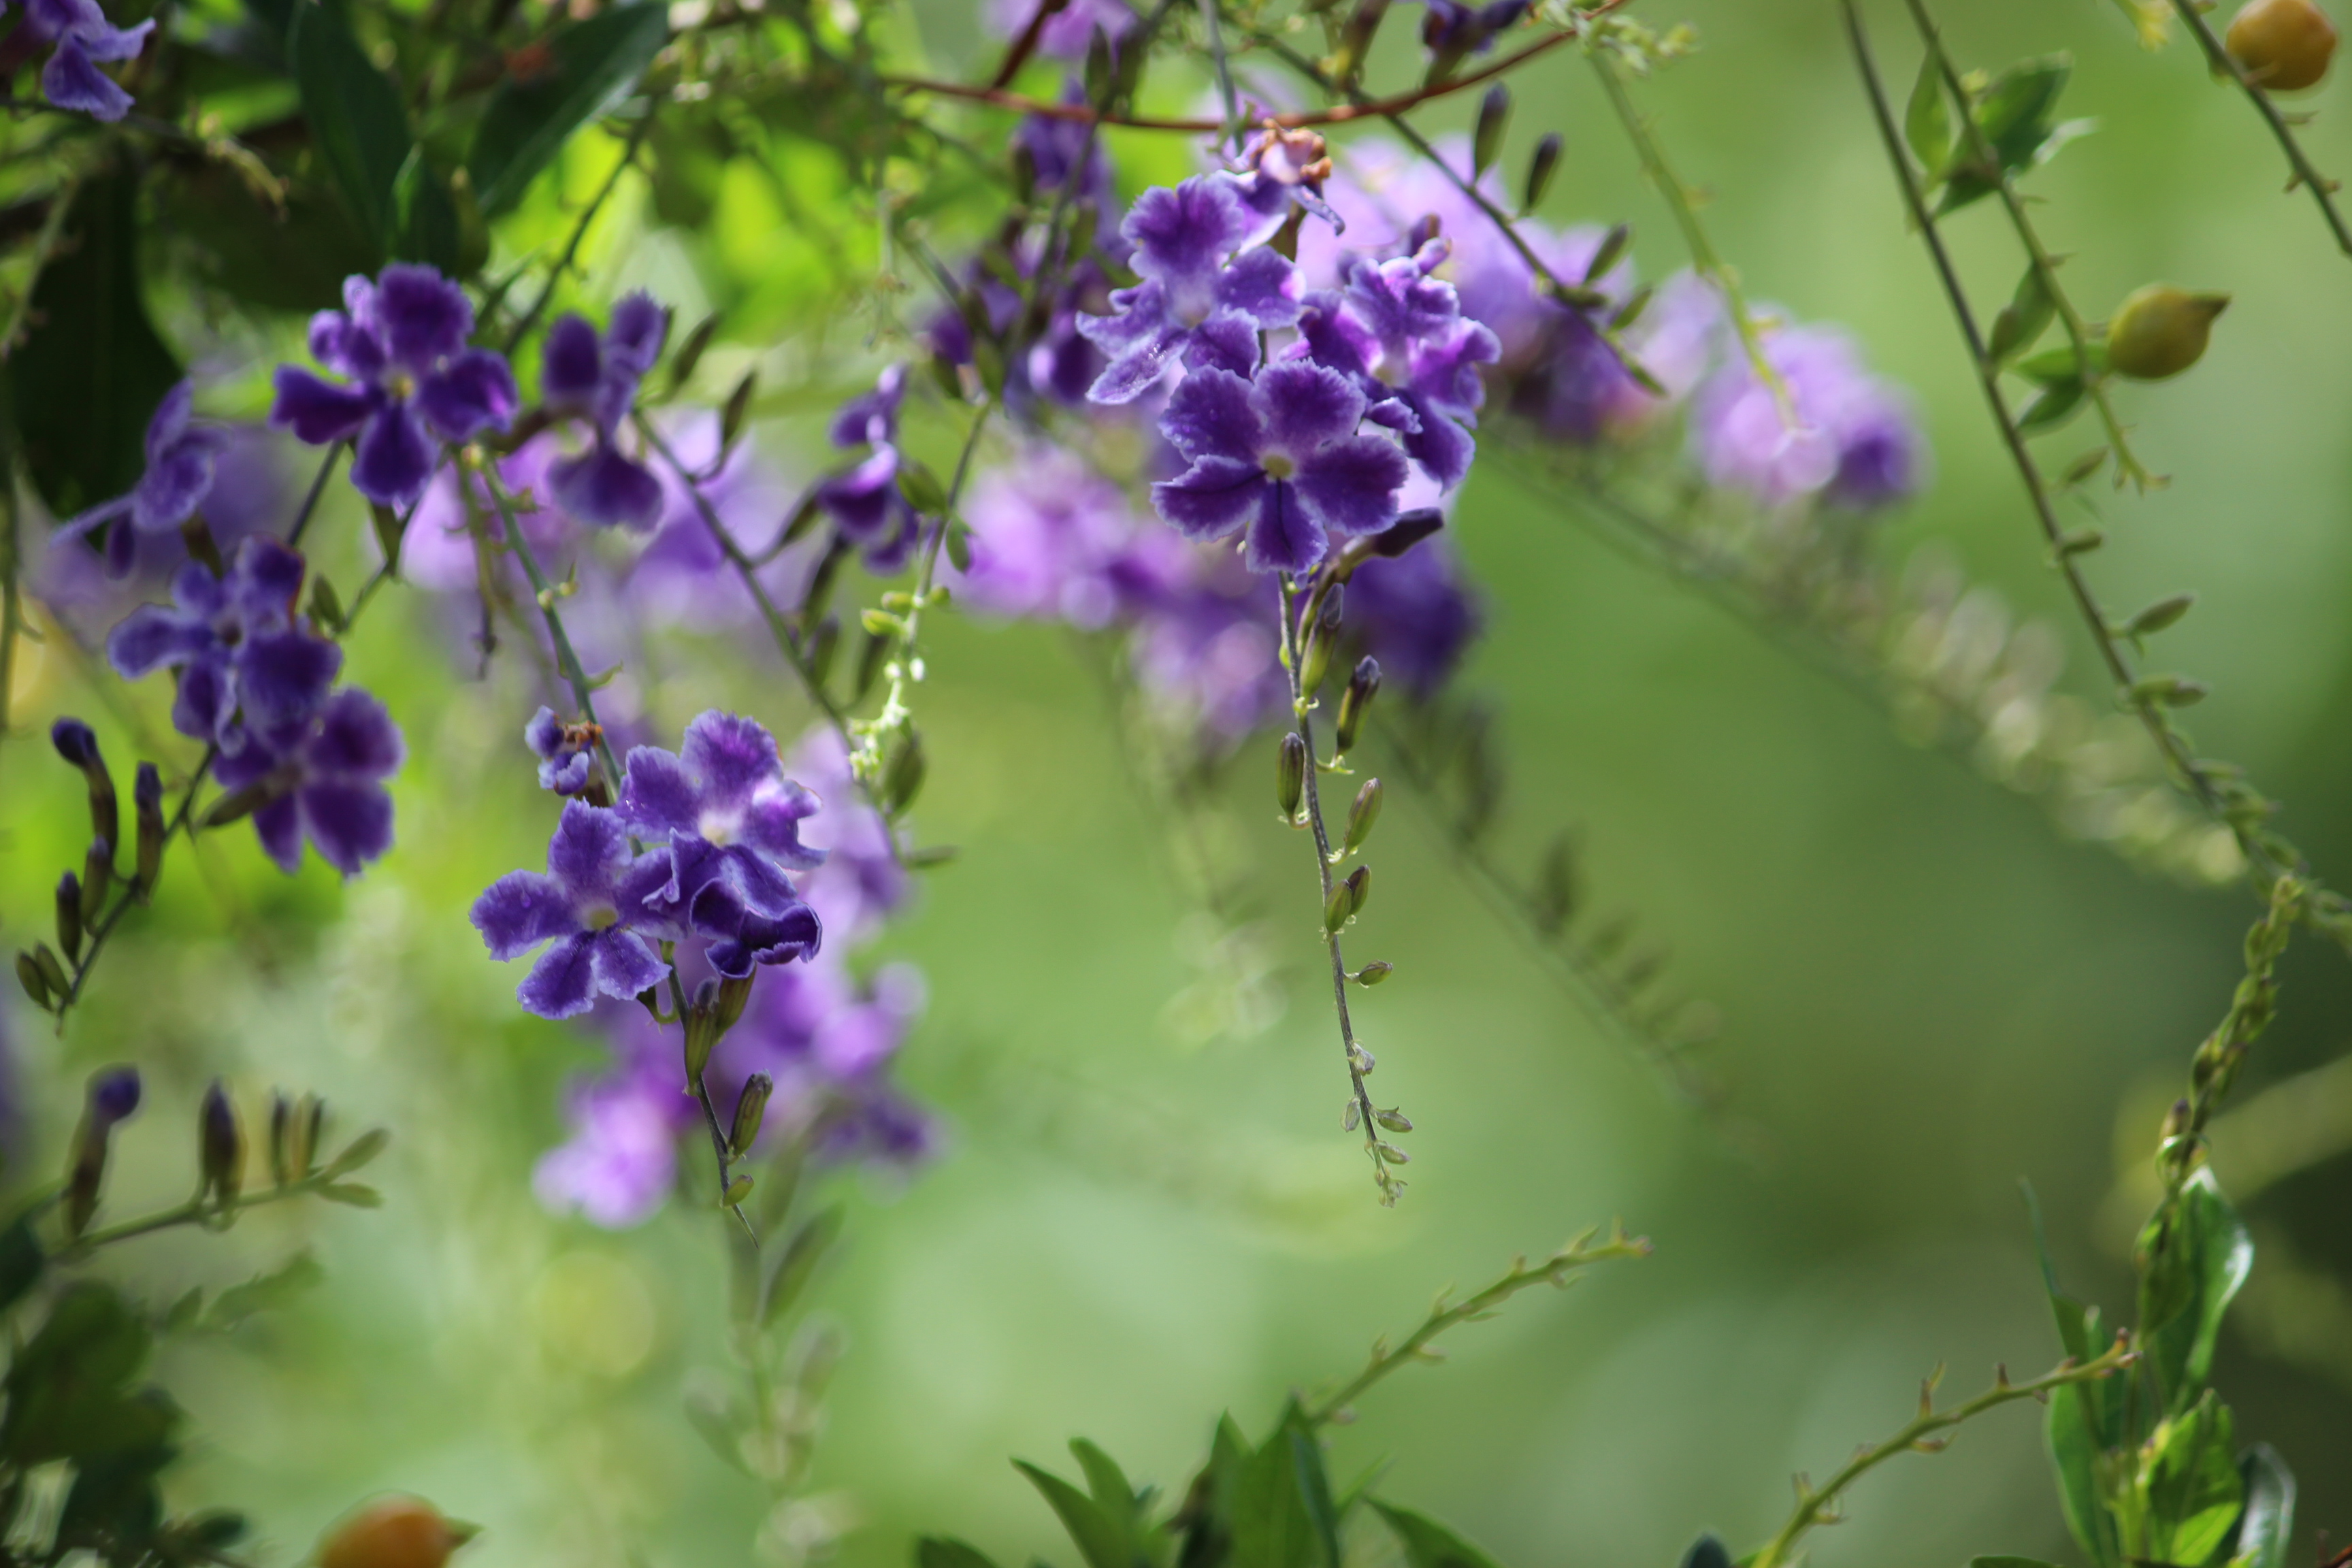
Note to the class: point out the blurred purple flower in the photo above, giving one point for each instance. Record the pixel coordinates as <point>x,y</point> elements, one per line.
<point>401,343</point>
<point>1854,443</point>
<point>864,501</point>
<point>1068,32</point>
<point>1451,30</point>
<point>83,36</point>
<point>1203,299</point>
<point>247,661</point>
<point>1054,540</point>
<point>321,778</point>
<point>861,881</point>
<point>595,377</point>
<point>566,753</point>
<point>1414,614</point>
<point>598,902</point>
<point>180,456</point>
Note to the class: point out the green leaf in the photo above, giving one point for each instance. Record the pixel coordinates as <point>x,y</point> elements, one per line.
<point>1429,1545</point>
<point>357,119</point>
<point>947,1551</point>
<point>2078,1428</point>
<point>265,1292</point>
<point>118,1497</point>
<point>2014,114</point>
<point>91,369</point>
<point>65,1389</point>
<point>353,1193</point>
<point>291,260</point>
<point>424,218</point>
<point>711,1422</point>
<point>2267,1526</point>
<point>2057,366</point>
<point>1279,1520</point>
<point>591,67</point>
<point>21,1262</point>
<point>1105,1480</point>
<point>360,1152</point>
<point>2051,407</point>
<point>2198,1256</point>
<point>1927,122</point>
<point>2190,1485</point>
<point>1208,1508</point>
<point>2025,318</point>
<point>1098,1537</point>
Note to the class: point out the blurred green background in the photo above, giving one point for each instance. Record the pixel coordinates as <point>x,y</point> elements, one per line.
<point>1929,993</point>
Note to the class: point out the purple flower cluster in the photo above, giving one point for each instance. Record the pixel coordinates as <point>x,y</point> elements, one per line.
<point>256,681</point>
<point>864,499</point>
<point>594,375</point>
<point>82,38</point>
<point>179,476</point>
<point>698,844</point>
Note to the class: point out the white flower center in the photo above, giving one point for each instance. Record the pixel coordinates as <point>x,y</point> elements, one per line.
<point>720,826</point>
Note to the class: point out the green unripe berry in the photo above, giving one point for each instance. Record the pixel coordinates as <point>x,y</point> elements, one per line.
<point>2285,45</point>
<point>2161,331</point>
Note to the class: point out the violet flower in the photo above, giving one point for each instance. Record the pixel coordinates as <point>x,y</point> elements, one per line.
<point>864,501</point>
<point>595,377</point>
<point>400,342</point>
<point>566,753</point>
<point>247,661</point>
<point>732,819</point>
<point>1854,443</point>
<point>1279,458</point>
<point>179,476</point>
<point>1452,30</point>
<point>83,36</point>
<point>1414,614</point>
<point>1069,32</point>
<point>1283,168</point>
<point>1203,299</point>
<point>596,902</point>
<point>321,779</point>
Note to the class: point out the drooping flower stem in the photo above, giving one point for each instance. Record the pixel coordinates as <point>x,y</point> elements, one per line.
<point>310,498</point>
<point>2321,188</point>
<point>583,690</point>
<point>1360,1061</point>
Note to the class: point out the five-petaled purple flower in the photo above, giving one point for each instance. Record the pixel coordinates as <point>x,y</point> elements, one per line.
<point>247,663</point>
<point>1280,456</point>
<point>733,820</point>
<point>1400,335</point>
<point>179,476</point>
<point>71,80</point>
<point>566,753</point>
<point>1199,301</point>
<point>595,377</point>
<point>400,341</point>
<point>597,901</point>
<point>864,500</point>
<point>322,779</point>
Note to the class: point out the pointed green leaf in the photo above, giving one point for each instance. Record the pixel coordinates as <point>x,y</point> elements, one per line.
<point>2198,1256</point>
<point>265,1292</point>
<point>1277,1521</point>
<point>425,218</point>
<point>2056,366</point>
<point>591,67</point>
<point>2014,114</point>
<point>2191,1484</point>
<point>1927,122</point>
<point>2078,1426</point>
<point>1429,1545</point>
<point>1098,1537</point>
<point>1105,1480</point>
<point>358,121</point>
<point>2051,407</point>
<point>1313,1483</point>
<point>947,1551</point>
<point>2267,1526</point>
<point>2025,318</point>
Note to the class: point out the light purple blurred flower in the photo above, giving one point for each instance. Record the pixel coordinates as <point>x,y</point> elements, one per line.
<point>1067,33</point>
<point>1854,443</point>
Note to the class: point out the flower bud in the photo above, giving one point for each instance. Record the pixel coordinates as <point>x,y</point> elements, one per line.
<point>1337,908</point>
<point>1362,687</point>
<point>77,744</point>
<point>1322,636</point>
<point>750,1109</point>
<point>97,879</point>
<point>734,995</point>
<point>1359,1060</point>
<point>1360,889</point>
<point>392,1532</point>
<point>1494,119</point>
<point>1351,1117</point>
<point>903,779</point>
<point>1356,40</point>
<point>69,916</point>
<point>2285,45</point>
<point>701,1032</point>
<point>307,1133</point>
<point>113,1095</point>
<point>1290,776</point>
<point>53,973</point>
<point>2161,331</point>
<point>1406,532</point>
<point>1361,815</point>
<point>29,977</point>
<point>1373,974</point>
<point>220,1145</point>
<point>1391,1153</point>
<point>147,800</point>
<point>1395,1120</point>
<point>281,1126</point>
<point>736,1190</point>
<point>1541,166</point>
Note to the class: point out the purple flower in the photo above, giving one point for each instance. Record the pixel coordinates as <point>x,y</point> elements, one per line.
<point>71,78</point>
<point>247,662</point>
<point>400,342</point>
<point>1400,335</point>
<point>1854,443</point>
<point>1451,30</point>
<point>864,500</point>
<point>596,902</point>
<point>1414,614</point>
<point>113,1096</point>
<point>1069,32</point>
<point>1279,458</point>
<point>1206,654</point>
<point>732,819</point>
<point>1052,538</point>
<point>566,753</point>
<point>596,378</point>
<point>179,474</point>
<point>321,779</point>
<point>1285,168</point>
<point>1199,302</point>
<point>861,881</point>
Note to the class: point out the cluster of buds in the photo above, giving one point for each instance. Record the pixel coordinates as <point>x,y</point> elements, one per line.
<point>716,1007</point>
<point>85,906</point>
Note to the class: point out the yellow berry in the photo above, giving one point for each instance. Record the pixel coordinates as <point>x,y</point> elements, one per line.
<point>2284,45</point>
<point>2161,331</point>
<point>393,1531</point>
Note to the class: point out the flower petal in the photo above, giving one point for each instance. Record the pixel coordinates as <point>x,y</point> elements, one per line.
<point>634,340</point>
<point>1181,236</point>
<point>658,795</point>
<point>731,757</point>
<point>603,487</point>
<point>1304,407</point>
<point>393,460</point>
<point>1349,487</point>
<point>1211,414</point>
<point>318,411</point>
<point>521,909</point>
<point>589,852</point>
<point>562,983</point>
<point>420,316</point>
<point>1263,285</point>
<point>279,826</point>
<point>474,393</point>
<point>282,677</point>
<point>151,636</point>
<point>571,364</point>
<point>356,738</point>
<point>1212,498</point>
<point>1285,537</point>
<point>71,81</point>
<point>349,823</point>
<point>625,963</point>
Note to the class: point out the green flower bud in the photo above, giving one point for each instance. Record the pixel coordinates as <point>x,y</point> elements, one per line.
<point>52,972</point>
<point>1290,776</point>
<point>148,796</point>
<point>1373,974</point>
<point>750,1109</point>
<point>1360,889</point>
<point>1362,687</point>
<point>1541,166</point>
<point>281,1122</point>
<point>734,995</point>
<point>1362,815</point>
<point>29,977</point>
<point>740,1188</point>
<point>701,1032</point>
<point>97,879</point>
<point>903,779</point>
<point>2285,45</point>
<point>1337,908</point>
<point>2161,331</point>
<point>1494,119</point>
<point>1395,1120</point>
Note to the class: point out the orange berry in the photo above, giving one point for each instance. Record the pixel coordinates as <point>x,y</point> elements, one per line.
<point>393,1531</point>
<point>2284,45</point>
<point>2161,331</point>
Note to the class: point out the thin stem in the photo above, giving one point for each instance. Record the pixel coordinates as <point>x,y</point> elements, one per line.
<point>1360,1061</point>
<point>2321,188</point>
<point>1704,257</point>
<point>2045,269</point>
<point>196,1211</point>
<point>12,609</point>
<point>1025,44</point>
<point>1231,130</point>
<point>1558,1269</point>
<point>583,691</point>
<point>2191,776</point>
<point>1815,1505</point>
<point>529,318</point>
<point>721,1145</point>
<point>311,499</point>
<point>103,928</point>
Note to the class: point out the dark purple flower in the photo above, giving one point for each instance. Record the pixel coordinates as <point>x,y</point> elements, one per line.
<point>732,819</point>
<point>864,501</point>
<point>83,36</point>
<point>1414,614</point>
<point>597,902</point>
<point>75,741</point>
<point>1069,32</point>
<point>1199,303</point>
<point>1280,458</point>
<point>595,377</point>
<point>247,661</point>
<point>1452,30</point>
<point>321,779</point>
<point>400,342</point>
<point>113,1096</point>
<point>179,474</point>
<point>566,753</point>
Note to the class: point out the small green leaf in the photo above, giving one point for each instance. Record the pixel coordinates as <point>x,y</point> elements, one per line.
<point>2052,407</point>
<point>2079,1426</point>
<point>2196,1253</point>
<point>267,1292</point>
<point>591,67</point>
<point>2025,318</point>
<point>712,1423</point>
<point>2266,1528</point>
<point>357,120</point>
<point>2013,115</point>
<point>353,1193</point>
<point>424,216</point>
<point>2155,618</point>
<point>947,1551</point>
<point>21,1261</point>
<point>2191,1484</point>
<point>1927,122</point>
<point>1279,1520</point>
<point>1429,1545</point>
<point>1098,1537</point>
<point>360,1152</point>
<point>2057,366</point>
